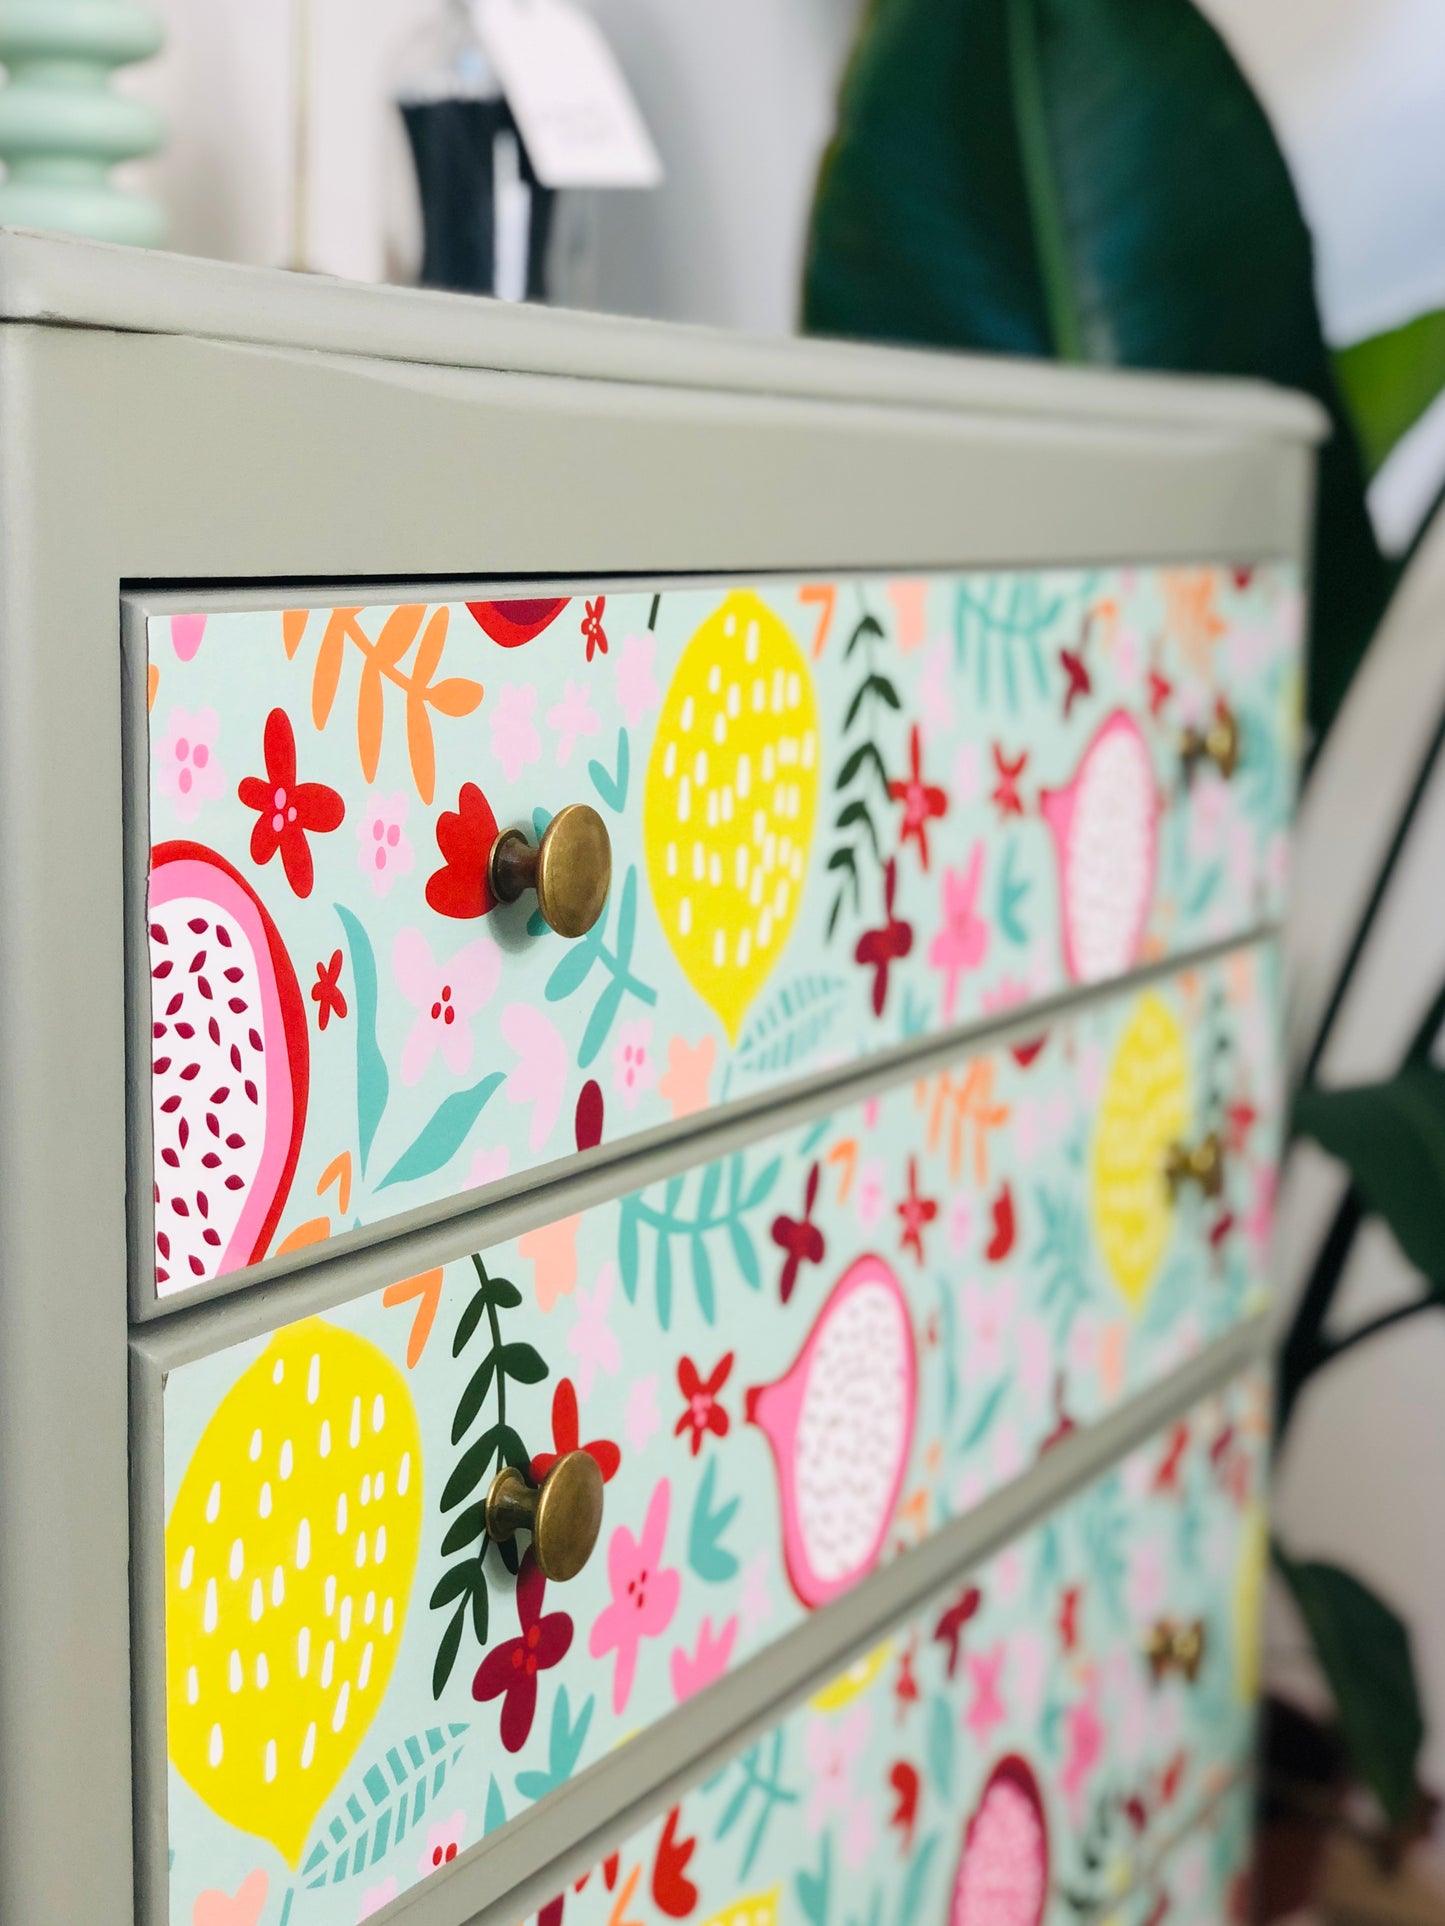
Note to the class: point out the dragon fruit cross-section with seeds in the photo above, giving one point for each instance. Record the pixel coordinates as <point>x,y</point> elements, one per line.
<point>229,1068</point>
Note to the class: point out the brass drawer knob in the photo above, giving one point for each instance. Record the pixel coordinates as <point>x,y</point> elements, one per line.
<point>563,1513</point>
<point>1175,1646</point>
<point>1201,1163</point>
<point>1217,743</point>
<point>570,869</point>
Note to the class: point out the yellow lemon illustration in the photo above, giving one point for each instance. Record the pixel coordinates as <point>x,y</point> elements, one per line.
<point>1145,1108</point>
<point>854,1682</point>
<point>732,791</point>
<point>758,1909</point>
<point>290,1553</point>
<point>1251,1567</point>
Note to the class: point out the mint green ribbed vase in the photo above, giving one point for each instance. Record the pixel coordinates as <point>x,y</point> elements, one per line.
<point>62,129</point>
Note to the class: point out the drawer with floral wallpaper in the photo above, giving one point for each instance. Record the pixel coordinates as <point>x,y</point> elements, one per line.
<point>810,821</point>
<point>1019,1751</point>
<point>783,1368</point>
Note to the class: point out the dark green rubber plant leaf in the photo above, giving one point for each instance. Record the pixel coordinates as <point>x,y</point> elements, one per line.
<point>1364,1651</point>
<point>1391,1136</point>
<point>1091,180</point>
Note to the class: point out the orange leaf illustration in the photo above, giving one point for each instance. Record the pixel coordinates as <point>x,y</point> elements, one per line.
<point>457,696</point>
<point>421,747</point>
<point>293,627</point>
<point>825,595</point>
<point>846,1154</point>
<point>337,1172</point>
<point>618,1915</point>
<point>429,655</point>
<point>153,682</point>
<point>428,1287</point>
<point>398,632</point>
<point>329,657</point>
<point>370,716</point>
<point>315,1231</point>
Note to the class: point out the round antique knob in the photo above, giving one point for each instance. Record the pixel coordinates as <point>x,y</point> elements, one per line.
<point>1217,743</point>
<point>1201,1163</point>
<point>570,869</point>
<point>563,1513</point>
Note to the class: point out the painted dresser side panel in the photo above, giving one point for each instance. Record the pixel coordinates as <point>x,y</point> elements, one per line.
<point>985,1259</point>
<point>844,814</point>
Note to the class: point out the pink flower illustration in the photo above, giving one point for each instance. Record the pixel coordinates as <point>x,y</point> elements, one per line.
<point>1035,1349</point>
<point>591,1339</point>
<point>633,1069</point>
<point>832,1748</point>
<point>986,1710</point>
<point>989,1311</point>
<point>515,741</point>
<point>551,1250</point>
<point>642,1418</point>
<point>1084,1738</point>
<point>186,633</point>
<point>637,690</point>
<point>443,1843</point>
<point>446,996</point>
<point>644,1595</point>
<point>384,850</point>
<point>684,1083</point>
<point>540,1077</point>
<point>570,718</point>
<point>186,761</point>
<point>691,1671</point>
<point>375,1897</point>
<point>959,1222</point>
<point>756,1602</point>
<point>1147,1582</point>
<point>870,1198</point>
<point>962,943</point>
<point>488,1166</point>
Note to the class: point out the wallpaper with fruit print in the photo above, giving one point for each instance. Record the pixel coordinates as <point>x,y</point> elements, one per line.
<point>1018,1752</point>
<point>843,814</point>
<point>789,1364</point>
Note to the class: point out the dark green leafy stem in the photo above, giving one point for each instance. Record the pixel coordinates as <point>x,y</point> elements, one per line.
<point>463,1586</point>
<point>864,773</point>
<point>616,962</point>
<point>676,1229</point>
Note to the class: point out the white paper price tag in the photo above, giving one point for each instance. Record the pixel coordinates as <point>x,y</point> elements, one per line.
<point>564,86</point>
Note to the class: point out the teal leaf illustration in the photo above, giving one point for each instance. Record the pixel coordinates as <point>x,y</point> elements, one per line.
<point>564,1748</point>
<point>373,1086</point>
<point>791,1025</point>
<point>746,1256</point>
<point>627,919</point>
<point>627,1251</point>
<point>910,1899</point>
<point>763,1182</point>
<point>1012,893</point>
<point>662,1281</point>
<point>496,1813</point>
<point>444,1132</point>
<point>702,1284</point>
<point>706,1553</point>
<point>940,1747</point>
<point>815,1888</point>
<point>613,788</point>
<point>570,972</point>
<point>988,1411</point>
<point>388,1802</point>
<point>600,1022</point>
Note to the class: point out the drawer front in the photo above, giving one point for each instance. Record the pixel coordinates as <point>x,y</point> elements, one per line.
<point>1011,1755</point>
<point>842,815</point>
<point>790,1365</point>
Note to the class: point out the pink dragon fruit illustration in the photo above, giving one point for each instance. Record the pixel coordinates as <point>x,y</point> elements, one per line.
<point>1003,1870</point>
<point>1105,826</point>
<point>229,1071</point>
<point>840,1424</point>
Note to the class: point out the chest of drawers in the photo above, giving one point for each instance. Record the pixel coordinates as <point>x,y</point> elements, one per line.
<point>640,1109</point>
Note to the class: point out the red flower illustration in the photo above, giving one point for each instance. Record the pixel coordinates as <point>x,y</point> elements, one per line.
<point>879,949</point>
<point>1006,796</point>
<point>464,836</point>
<point>287,810</point>
<point>920,800</point>
<point>509,1671</point>
<point>799,1238</point>
<point>592,627</point>
<point>917,1212</point>
<point>326,992</point>
<point>702,1412</point>
<point>565,1435</point>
